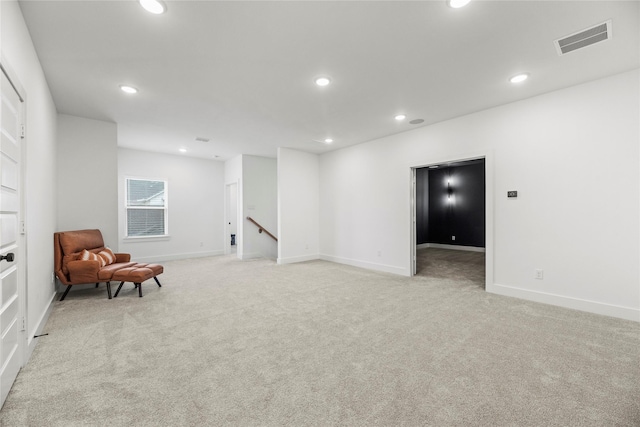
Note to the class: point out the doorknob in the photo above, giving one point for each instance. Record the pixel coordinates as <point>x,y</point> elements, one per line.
<point>8,257</point>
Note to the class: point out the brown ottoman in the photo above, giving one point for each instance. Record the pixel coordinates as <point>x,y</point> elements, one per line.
<point>137,274</point>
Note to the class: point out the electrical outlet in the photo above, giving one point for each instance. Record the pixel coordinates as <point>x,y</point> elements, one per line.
<point>201,244</point>
<point>306,246</point>
<point>53,277</point>
<point>539,274</point>
<point>379,253</point>
<point>453,237</point>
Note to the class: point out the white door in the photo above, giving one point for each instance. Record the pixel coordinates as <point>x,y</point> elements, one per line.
<point>10,313</point>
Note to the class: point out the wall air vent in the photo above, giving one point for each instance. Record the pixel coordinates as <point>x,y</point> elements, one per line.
<point>584,38</point>
<point>200,139</point>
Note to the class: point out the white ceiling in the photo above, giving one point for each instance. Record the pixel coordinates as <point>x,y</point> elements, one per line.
<point>241,73</point>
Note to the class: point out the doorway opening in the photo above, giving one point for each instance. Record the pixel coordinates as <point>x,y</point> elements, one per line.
<point>231,234</point>
<point>450,221</point>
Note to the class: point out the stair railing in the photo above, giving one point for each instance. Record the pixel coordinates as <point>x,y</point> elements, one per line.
<point>261,228</point>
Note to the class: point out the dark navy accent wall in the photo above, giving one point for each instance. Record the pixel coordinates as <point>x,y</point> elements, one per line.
<point>454,206</point>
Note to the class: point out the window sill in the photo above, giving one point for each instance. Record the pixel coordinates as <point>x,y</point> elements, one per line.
<point>132,239</point>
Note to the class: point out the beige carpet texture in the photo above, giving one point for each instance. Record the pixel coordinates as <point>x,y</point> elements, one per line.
<point>252,343</point>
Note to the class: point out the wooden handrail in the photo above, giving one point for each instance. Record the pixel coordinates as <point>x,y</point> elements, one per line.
<point>261,228</point>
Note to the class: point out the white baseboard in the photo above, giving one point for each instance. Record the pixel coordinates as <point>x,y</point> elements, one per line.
<point>365,264</point>
<point>31,341</point>
<point>251,255</point>
<point>453,247</point>
<point>173,257</point>
<point>627,313</point>
<point>301,258</point>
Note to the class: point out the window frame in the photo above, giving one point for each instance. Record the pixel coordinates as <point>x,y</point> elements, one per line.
<point>165,208</point>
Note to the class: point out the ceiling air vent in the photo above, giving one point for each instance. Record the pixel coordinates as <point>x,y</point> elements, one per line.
<point>584,38</point>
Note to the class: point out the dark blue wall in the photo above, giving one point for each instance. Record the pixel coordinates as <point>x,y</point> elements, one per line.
<point>450,201</point>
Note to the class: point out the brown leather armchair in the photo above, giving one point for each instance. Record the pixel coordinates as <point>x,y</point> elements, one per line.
<point>71,270</point>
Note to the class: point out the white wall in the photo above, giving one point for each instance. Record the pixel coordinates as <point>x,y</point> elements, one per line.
<point>87,176</point>
<point>298,206</point>
<point>195,200</point>
<point>40,188</point>
<point>260,201</point>
<point>572,155</point>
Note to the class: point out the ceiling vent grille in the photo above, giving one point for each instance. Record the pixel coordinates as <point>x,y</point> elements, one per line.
<point>584,38</point>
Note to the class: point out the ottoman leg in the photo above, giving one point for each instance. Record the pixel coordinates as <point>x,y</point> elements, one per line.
<point>157,281</point>
<point>139,289</point>
<point>109,289</point>
<point>118,290</point>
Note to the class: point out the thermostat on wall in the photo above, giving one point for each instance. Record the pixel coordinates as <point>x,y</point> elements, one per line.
<point>512,194</point>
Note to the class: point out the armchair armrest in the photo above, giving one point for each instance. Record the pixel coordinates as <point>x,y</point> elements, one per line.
<point>123,257</point>
<point>84,271</point>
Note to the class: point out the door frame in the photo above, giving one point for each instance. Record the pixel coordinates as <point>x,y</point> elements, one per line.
<point>488,157</point>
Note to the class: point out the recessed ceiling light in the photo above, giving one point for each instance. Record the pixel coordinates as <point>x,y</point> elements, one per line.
<point>400,117</point>
<point>519,78</point>
<point>128,89</point>
<point>328,141</point>
<point>323,81</point>
<point>182,150</point>
<point>457,4</point>
<point>153,6</point>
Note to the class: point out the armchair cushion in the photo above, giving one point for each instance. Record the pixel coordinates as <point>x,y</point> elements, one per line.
<point>107,255</point>
<point>106,272</point>
<point>84,271</point>
<point>85,255</point>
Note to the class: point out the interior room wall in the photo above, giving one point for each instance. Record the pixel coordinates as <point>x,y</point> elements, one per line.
<point>40,188</point>
<point>195,200</point>
<point>571,154</point>
<point>260,201</point>
<point>298,206</point>
<point>87,176</point>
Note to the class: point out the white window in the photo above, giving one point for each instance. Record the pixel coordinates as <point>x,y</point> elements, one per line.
<point>146,206</point>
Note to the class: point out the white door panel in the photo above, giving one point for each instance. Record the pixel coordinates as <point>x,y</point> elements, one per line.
<point>9,170</point>
<point>10,289</point>
<point>9,201</point>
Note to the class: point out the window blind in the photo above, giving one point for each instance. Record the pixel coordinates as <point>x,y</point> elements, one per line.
<point>146,208</point>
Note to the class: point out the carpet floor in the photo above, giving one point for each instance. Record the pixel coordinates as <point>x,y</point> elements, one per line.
<point>452,265</point>
<point>253,343</point>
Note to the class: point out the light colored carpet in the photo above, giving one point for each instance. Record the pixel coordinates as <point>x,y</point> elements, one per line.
<point>454,265</point>
<point>226,342</point>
